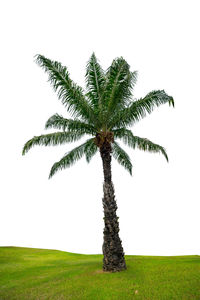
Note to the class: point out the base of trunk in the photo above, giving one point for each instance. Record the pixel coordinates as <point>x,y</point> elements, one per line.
<point>114,265</point>
<point>113,260</point>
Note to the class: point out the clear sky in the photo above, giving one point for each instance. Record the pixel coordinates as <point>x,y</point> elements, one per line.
<point>158,207</point>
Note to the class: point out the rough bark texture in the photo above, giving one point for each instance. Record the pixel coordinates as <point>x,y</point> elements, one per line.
<point>112,247</point>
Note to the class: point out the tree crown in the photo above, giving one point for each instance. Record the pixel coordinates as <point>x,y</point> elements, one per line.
<point>103,110</point>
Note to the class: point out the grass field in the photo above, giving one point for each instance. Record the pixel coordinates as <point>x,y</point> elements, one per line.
<point>37,274</point>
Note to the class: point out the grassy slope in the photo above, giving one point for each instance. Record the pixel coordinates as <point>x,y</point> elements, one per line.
<point>38,274</point>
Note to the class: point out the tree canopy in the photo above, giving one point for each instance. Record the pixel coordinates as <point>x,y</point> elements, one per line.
<point>104,110</point>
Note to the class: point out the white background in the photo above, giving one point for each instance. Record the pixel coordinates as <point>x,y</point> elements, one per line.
<point>159,205</point>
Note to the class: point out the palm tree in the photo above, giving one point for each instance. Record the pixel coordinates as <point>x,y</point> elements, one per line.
<point>103,111</point>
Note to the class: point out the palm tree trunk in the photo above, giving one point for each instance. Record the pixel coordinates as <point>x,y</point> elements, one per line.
<point>112,247</point>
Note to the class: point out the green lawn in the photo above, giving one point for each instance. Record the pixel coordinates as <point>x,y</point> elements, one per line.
<point>27,273</point>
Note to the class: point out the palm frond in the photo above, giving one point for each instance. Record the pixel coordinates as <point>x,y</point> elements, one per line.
<point>71,95</point>
<point>69,158</point>
<point>56,138</point>
<point>119,83</point>
<point>140,108</point>
<point>58,122</point>
<point>122,157</point>
<point>90,149</point>
<point>95,80</point>
<point>137,142</point>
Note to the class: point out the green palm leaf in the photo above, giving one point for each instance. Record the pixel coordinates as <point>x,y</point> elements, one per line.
<point>58,122</point>
<point>69,158</point>
<point>95,80</point>
<point>90,149</point>
<point>122,157</point>
<point>70,94</point>
<point>136,142</point>
<point>140,108</point>
<point>56,138</point>
<point>120,82</point>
